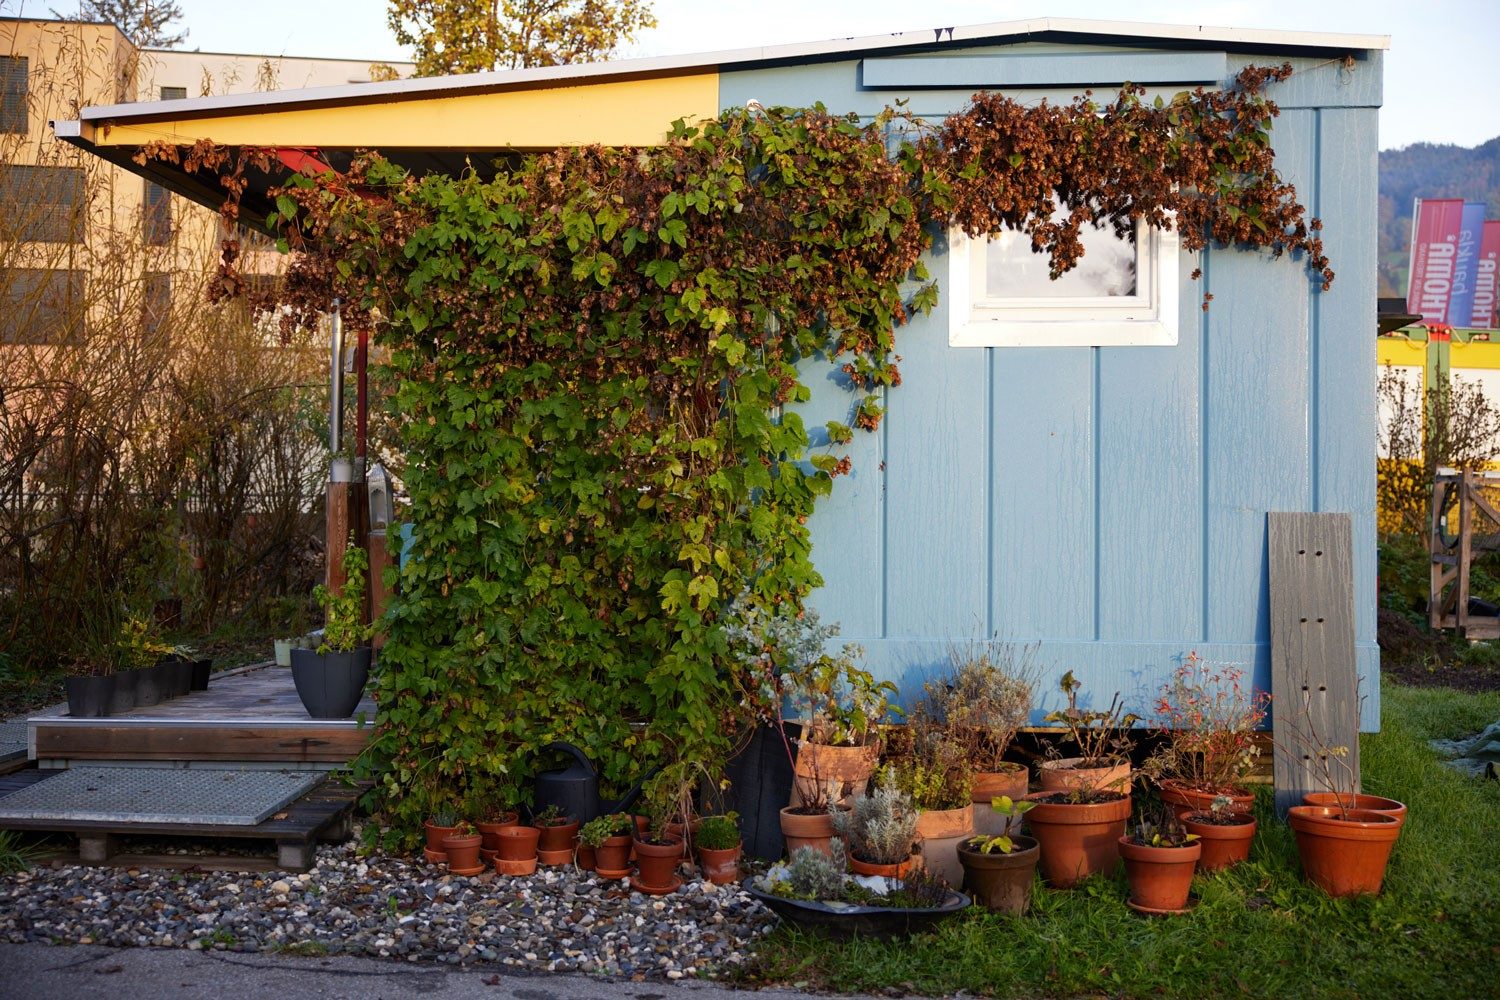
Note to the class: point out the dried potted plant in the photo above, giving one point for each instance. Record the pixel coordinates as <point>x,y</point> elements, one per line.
<point>440,825</point>
<point>879,830</point>
<point>935,773</point>
<point>998,869</point>
<point>1344,850</point>
<point>496,816</point>
<point>1159,857</point>
<point>983,701</point>
<point>462,847</point>
<point>657,852</point>
<point>331,679</point>
<point>1223,833</point>
<point>1103,740</point>
<point>609,838</point>
<point>1208,715</point>
<point>559,836</point>
<point>718,843</point>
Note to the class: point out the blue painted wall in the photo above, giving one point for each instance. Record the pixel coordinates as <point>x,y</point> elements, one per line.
<point>1111,502</point>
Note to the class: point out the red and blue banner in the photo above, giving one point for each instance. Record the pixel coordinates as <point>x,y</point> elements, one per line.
<point>1465,265</point>
<point>1436,224</point>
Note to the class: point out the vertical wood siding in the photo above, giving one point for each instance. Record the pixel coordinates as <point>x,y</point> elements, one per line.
<point>1112,502</point>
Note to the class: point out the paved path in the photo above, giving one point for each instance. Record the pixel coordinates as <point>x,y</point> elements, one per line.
<point>84,971</point>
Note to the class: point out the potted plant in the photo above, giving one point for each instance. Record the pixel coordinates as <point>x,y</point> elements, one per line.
<point>810,824</point>
<point>439,826</point>
<point>331,679</point>
<point>935,774</point>
<point>558,836</point>
<point>91,690</point>
<point>1078,831</point>
<point>998,869</point>
<point>1103,739</point>
<point>879,830</point>
<point>462,848</point>
<point>1159,857</point>
<point>657,853</point>
<point>515,851</point>
<point>139,650</point>
<point>496,818</point>
<point>983,701</point>
<point>1358,800</point>
<point>717,839</point>
<point>1222,832</point>
<point>609,838</point>
<point>1208,715</point>
<point>814,892</point>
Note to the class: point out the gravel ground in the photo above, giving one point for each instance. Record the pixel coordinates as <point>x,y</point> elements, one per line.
<point>559,920</point>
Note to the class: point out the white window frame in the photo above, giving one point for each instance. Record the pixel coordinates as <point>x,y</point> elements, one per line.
<point>1150,317</point>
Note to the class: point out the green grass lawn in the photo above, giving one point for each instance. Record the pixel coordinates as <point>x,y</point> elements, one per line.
<point>1258,930</point>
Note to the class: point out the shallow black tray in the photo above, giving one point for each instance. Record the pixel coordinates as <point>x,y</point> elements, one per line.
<point>847,921</point>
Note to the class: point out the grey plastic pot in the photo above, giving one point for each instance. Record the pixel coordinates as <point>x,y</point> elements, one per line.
<point>88,696</point>
<point>150,684</point>
<point>330,684</point>
<point>122,698</point>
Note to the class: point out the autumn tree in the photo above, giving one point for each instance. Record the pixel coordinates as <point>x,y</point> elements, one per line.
<point>468,36</point>
<point>147,23</point>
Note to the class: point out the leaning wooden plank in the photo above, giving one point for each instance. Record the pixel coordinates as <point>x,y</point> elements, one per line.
<point>1314,684</point>
<point>137,741</point>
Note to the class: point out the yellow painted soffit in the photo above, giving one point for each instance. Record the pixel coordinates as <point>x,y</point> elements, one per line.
<point>622,113</point>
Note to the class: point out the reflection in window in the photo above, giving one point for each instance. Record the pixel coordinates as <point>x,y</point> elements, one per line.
<point>1107,268</point>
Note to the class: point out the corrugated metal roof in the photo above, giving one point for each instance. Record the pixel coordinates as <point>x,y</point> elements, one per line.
<point>926,39</point>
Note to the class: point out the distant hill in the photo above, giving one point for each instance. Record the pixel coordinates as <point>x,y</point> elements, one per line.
<point>1429,171</point>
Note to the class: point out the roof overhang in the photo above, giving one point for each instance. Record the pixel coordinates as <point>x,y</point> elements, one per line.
<point>448,123</point>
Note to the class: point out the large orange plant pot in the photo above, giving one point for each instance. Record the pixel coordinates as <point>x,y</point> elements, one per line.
<point>1185,799</point>
<point>1357,800</point>
<point>1077,840</point>
<point>1065,775</point>
<point>1160,877</point>
<point>1224,844</point>
<point>1344,854</point>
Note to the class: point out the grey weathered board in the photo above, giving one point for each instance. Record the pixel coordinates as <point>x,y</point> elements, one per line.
<point>1314,685</point>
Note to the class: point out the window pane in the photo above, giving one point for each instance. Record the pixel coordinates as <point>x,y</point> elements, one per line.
<point>13,90</point>
<point>157,214</point>
<point>41,204</point>
<point>1106,269</point>
<point>41,307</point>
<point>173,93</point>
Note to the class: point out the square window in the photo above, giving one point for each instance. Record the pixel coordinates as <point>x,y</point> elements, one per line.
<point>1122,291</point>
<point>14,90</point>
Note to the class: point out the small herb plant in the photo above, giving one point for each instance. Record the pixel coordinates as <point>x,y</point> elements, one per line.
<point>599,829</point>
<point>1158,826</point>
<point>936,774</point>
<point>1102,737</point>
<point>550,816</point>
<point>444,818</point>
<point>1004,806</point>
<point>139,645</point>
<point>718,833</point>
<point>344,629</point>
<point>984,699</point>
<point>465,829</point>
<point>881,827</point>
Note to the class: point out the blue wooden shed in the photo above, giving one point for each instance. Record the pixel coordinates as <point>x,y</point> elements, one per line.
<point>1089,465</point>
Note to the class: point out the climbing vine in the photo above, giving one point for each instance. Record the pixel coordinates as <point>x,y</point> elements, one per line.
<point>599,355</point>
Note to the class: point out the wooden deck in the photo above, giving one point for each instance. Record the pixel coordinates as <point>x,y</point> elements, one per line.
<point>248,716</point>
<point>322,814</point>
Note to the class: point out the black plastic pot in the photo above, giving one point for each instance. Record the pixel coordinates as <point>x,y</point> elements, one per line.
<point>122,698</point>
<point>88,697</point>
<point>149,685</point>
<point>176,676</point>
<point>330,684</point>
<point>202,670</point>
<point>843,920</point>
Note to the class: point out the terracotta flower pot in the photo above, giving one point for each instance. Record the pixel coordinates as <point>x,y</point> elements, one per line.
<point>586,858</point>
<point>557,841</point>
<point>940,832</point>
<point>1065,775</point>
<point>434,851</point>
<point>850,767</point>
<point>1344,856</point>
<point>859,867</point>
<point>516,843</point>
<point>490,830</point>
<point>1358,800</point>
<point>721,867</point>
<point>526,866</point>
<point>1184,799</point>
<point>463,853</point>
<point>1001,881</point>
<point>1160,877</point>
<point>658,862</point>
<point>1224,844</point>
<point>800,830</point>
<point>613,856</point>
<point>1077,840</point>
<point>990,785</point>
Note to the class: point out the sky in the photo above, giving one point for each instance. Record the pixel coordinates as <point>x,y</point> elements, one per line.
<point>1444,53</point>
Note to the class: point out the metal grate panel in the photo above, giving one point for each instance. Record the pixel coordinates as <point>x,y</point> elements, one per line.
<point>227,797</point>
